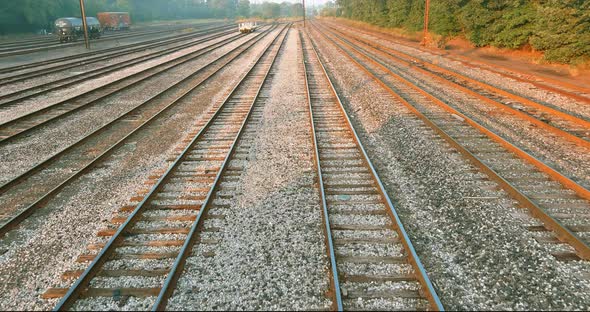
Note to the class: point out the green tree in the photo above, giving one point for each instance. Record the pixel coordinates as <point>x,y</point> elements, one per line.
<point>244,8</point>
<point>563,30</point>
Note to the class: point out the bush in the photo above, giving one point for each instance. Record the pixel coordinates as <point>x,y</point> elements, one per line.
<point>559,28</point>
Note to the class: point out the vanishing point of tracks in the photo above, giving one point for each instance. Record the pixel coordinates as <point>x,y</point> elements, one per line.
<point>558,202</point>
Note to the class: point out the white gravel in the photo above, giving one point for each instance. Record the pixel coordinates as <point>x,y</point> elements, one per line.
<point>271,254</point>
<point>19,155</point>
<point>49,242</point>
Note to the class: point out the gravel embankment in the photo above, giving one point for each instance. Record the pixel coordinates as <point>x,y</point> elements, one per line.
<point>472,241</point>
<point>49,242</point>
<point>271,254</point>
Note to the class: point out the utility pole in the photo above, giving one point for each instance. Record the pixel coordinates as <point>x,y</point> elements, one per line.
<point>303,13</point>
<point>425,38</point>
<point>84,25</point>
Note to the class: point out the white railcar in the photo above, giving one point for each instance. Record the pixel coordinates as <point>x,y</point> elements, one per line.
<point>247,27</point>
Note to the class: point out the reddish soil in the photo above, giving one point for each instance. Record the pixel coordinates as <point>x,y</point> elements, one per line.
<point>523,60</point>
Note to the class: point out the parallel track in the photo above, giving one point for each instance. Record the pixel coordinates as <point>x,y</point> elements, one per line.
<point>11,51</point>
<point>27,123</point>
<point>83,59</point>
<point>35,42</point>
<point>50,176</point>
<point>11,99</point>
<point>564,125</point>
<point>565,89</point>
<point>361,224</point>
<point>203,161</point>
<point>555,200</point>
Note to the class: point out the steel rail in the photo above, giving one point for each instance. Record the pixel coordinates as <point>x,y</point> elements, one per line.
<point>472,63</point>
<point>551,223</point>
<point>432,72</point>
<point>49,38</point>
<point>51,41</point>
<point>337,293</point>
<point>70,80</point>
<point>45,40</point>
<point>512,111</point>
<point>414,260</point>
<point>30,209</point>
<point>60,46</point>
<point>101,55</point>
<point>79,286</point>
<point>567,182</point>
<point>93,55</point>
<point>158,70</point>
<point>177,267</point>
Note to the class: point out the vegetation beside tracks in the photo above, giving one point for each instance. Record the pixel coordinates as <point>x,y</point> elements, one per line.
<point>558,28</point>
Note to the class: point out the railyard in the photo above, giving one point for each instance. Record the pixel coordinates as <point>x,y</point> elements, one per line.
<point>319,167</point>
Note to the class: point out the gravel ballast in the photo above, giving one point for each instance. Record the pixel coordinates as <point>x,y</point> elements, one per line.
<point>478,255</point>
<point>271,254</point>
<point>480,73</point>
<point>21,154</point>
<point>49,242</point>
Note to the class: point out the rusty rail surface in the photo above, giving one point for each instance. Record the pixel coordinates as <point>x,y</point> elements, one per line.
<point>565,234</point>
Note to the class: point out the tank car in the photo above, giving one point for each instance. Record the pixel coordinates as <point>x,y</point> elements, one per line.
<point>94,28</point>
<point>70,28</point>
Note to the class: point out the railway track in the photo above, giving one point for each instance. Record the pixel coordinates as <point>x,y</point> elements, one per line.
<point>22,94</point>
<point>562,88</point>
<point>48,38</point>
<point>52,39</point>
<point>560,204</point>
<point>47,178</point>
<point>562,124</point>
<point>93,57</point>
<point>174,205</point>
<point>29,122</point>
<point>364,233</point>
<point>20,50</point>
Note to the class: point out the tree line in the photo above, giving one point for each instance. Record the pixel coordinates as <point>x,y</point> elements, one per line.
<point>559,28</point>
<point>20,16</point>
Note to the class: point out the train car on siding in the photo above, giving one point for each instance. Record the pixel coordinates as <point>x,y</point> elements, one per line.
<point>114,20</point>
<point>70,29</point>
<point>247,27</point>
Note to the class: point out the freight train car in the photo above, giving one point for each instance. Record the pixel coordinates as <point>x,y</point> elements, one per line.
<point>114,20</point>
<point>247,27</point>
<point>70,28</point>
